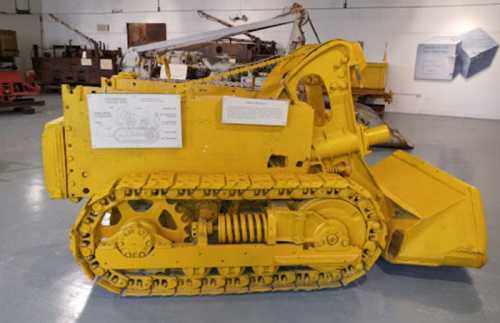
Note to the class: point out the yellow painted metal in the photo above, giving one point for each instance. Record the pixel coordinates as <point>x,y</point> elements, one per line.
<point>440,225</point>
<point>252,208</point>
<point>372,81</point>
<point>336,236</point>
<point>373,77</point>
<point>54,155</point>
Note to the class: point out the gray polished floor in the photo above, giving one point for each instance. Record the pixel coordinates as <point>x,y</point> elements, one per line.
<point>39,282</point>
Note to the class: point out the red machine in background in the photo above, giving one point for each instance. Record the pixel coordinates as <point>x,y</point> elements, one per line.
<point>16,88</point>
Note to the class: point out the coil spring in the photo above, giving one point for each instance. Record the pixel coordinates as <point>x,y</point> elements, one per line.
<point>242,227</point>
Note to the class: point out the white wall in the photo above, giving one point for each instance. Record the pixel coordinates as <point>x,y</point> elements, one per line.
<point>26,26</point>
<point>403,29</point>
<point>402,24</point>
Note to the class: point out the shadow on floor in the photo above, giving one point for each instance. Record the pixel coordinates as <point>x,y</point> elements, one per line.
<point>274,307</point>
<point>447,288</point>
<point>430,289</point>
<point>453,274</point>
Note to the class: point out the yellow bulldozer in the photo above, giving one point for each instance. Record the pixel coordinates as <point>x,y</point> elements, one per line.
<point>197,187</point>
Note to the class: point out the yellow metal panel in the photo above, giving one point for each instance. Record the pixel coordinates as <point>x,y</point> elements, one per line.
<point>54,159</point>
<point>213,256</point>
<point>209,146</point>
<point>441,221</point>
<point>372,77</point>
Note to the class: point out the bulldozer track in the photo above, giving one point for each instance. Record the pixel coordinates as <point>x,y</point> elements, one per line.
<point>224,280</point>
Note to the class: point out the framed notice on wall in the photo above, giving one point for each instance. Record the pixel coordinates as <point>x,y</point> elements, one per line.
<point>145,33</point>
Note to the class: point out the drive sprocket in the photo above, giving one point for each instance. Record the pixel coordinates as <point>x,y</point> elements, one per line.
<point>167,218</point>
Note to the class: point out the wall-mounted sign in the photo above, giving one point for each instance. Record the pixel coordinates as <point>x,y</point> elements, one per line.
<point>436,59</point>
<point>443,58</point>
<point>103,27</point>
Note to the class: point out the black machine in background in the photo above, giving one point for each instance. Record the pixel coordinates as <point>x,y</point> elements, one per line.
<point>70,64</point>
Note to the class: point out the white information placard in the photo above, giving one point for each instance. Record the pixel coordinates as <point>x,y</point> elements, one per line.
<point>236,110</point>
<point>106,64</point>
<point>135,120</point>
<point>177,72</point>
<point>437,59</point>
<point>86,61</point>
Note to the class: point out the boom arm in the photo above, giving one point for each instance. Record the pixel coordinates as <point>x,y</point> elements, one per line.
<point>296,16</point>
<point>209,36</point>
<point>94,42</point>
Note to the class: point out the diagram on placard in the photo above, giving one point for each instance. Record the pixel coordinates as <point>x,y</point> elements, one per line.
<point>133,128</point>
<point>135,121</point>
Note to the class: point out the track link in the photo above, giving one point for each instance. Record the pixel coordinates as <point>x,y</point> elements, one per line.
<point>219,280</point>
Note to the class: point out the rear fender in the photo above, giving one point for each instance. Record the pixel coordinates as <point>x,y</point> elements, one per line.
<point>54,159</point>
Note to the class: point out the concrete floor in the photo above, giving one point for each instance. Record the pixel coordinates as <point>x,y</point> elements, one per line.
<point>39,282</point>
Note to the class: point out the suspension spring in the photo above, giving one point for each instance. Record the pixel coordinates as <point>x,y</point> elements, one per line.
<point>242,227</point>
